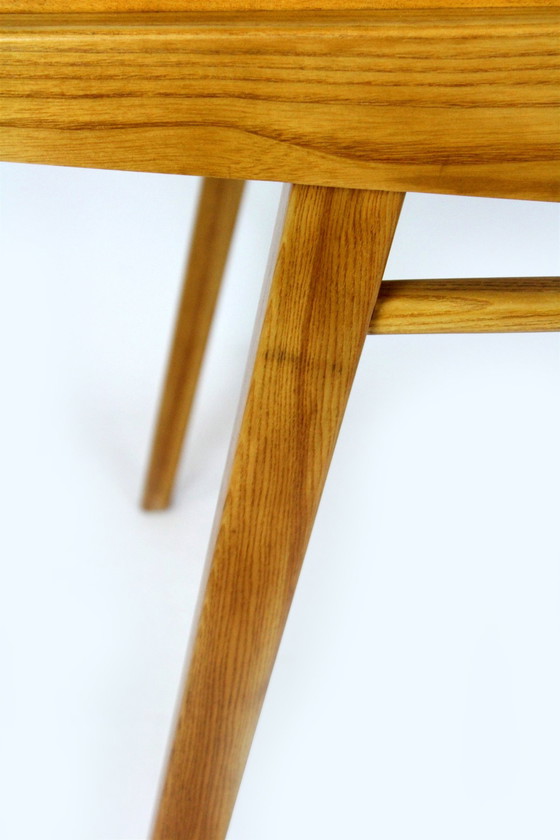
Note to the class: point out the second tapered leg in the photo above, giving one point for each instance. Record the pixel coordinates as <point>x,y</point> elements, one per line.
<point>217,212</point>
<point>329,263</point>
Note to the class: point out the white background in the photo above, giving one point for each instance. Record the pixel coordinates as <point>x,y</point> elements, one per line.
<point>417,689</point>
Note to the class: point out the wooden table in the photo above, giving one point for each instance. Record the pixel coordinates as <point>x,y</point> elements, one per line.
<point>354,103</point>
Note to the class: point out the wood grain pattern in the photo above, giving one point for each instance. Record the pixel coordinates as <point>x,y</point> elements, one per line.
<point>216,216</point>
<point>316,316</point>
<point>529,304</point>
<point>442,101</point>
<point>85,6</point>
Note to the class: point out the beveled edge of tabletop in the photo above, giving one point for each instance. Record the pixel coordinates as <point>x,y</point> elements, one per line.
<point>460,101</point>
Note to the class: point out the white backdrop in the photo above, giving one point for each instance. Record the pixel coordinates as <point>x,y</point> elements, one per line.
<point>417,689</point>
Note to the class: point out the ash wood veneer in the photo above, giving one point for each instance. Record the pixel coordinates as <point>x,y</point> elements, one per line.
<point>316,315</point>
<point>437,100</point>
<point>217,212</point>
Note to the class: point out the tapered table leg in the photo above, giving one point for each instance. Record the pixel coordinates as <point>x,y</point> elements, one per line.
<point>328,266</point>
<point>217,212</point>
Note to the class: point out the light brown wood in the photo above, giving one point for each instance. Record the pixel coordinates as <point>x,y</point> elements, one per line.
<point>216,216</point>
<point>62,6</point>
<point>330,260</point>
<point>527,304</point>
<point>441,101</point>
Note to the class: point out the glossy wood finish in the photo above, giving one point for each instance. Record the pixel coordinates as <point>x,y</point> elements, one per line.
<point>217,213</point>
<point>530,304</point>
<point>316,315</point>
<point>426,100</point>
